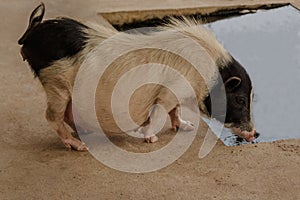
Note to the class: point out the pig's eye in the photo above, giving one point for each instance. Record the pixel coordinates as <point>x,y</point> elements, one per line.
<point>241,100</point>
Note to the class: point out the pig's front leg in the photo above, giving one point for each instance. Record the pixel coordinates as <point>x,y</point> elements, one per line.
<point>178,123</point>
<point>147,130</point>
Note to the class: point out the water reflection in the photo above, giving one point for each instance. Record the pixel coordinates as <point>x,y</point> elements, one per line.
<point>267,44</point>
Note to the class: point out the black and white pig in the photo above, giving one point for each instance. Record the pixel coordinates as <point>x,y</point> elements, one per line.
<point>56,48</point>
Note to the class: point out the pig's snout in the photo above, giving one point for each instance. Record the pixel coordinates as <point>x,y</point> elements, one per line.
<point>249,136</point>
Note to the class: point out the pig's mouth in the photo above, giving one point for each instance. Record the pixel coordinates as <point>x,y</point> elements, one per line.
<point>248,134</point>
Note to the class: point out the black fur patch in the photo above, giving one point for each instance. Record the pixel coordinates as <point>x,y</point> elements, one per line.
<point>238,99</point>
<point>51,41</point>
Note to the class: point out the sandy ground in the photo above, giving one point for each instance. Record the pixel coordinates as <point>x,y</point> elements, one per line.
<point>35,165</point>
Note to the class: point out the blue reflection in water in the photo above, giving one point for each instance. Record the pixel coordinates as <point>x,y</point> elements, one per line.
<point>267,44</point>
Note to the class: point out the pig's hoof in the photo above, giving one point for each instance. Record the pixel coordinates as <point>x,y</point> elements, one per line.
<point>151,139</point>
<point>184,126</point>
<point>73,143</point>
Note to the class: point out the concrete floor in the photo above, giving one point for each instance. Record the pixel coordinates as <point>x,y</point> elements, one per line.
<point>35,165</point>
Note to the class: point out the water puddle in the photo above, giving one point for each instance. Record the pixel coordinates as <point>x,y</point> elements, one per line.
<point>267,44</point>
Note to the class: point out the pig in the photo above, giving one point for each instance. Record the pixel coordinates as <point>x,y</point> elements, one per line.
<point>57,48</point>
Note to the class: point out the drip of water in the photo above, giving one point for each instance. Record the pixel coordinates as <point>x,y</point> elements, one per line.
<point>226,136</point>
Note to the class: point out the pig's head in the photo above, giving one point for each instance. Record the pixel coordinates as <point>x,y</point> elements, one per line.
<point>239,93</point>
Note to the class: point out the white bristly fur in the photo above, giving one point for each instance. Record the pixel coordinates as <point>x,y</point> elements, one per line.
<point>58,79</point>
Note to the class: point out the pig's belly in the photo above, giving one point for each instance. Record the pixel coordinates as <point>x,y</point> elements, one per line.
<point>133,113</point>
<point>130,115</point>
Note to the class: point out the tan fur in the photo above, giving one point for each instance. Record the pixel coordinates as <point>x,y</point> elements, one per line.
<point>150,94</point>
<point>58,79</point>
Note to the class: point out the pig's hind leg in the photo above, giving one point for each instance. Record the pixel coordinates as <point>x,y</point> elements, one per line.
<point>68,117</point>
<point>178,123</point>
<point>57,112</point>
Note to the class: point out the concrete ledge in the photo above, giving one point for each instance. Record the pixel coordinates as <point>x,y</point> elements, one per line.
<point>129,16</point>
<point>296,4</point>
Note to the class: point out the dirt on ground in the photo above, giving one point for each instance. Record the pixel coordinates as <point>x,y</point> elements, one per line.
<point>34,164</point>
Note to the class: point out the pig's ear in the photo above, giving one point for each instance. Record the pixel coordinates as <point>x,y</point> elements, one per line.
<point>232,83</point>
<point>37,15</point>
